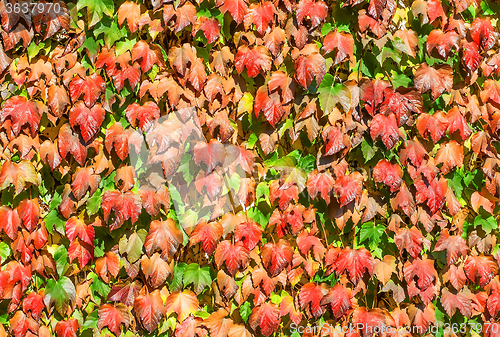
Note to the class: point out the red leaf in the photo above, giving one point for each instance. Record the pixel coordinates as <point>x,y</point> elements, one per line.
<point>455,246</point>
<point>155,269</point>
<point>113,316</point>
<point>434,193</point>
<point>265,316</point>
<point>124,205</point>
<point>182,303</point>
<point>34,303</point>
<point>420,273</point>
<point>414,152</point>
<point>276,256</point>
<point>483,33</point>
<point>132,13</point>
<point>122,140</point>
<point>311,295</point>
<point>125,293</point>
<point>471,56</point>
<point>339,298</point>
<point>372,320</point>
<point>84,179</point>
<point>18,175</point>
<point>148,56</point>
<point>342,43</point>
<point>386,128</point>
<point>211,28</point>
<point>412,240</point>
<point>234,256</point>
<point>461,301</point>
<point>21,112</point>
<point>442,41</point>
<point>491,91</point>
<point>76,228</point>
<point>50,154</point>
<point>185,16</point>
<point>450,155</point>
<point>20,324</point>
<point>89,120</point>
<point>165,236</point>
<point>349,187</point>
<point>354,261</point>
<point>309,65</point>
<point>29,212</point>
<point>261,15</point>
<point>335,140</point>
<point>83,251</point>
<point>389,174</point>
<point>437,79</point>
<point>315,11</point>
<point>207,233</point>
<point>481,266</point>
<point>403,103</point>
<point>285,195</point>
<point>255,60</point>
<point>69,142</point>
<point>288,308</point>
<point>237,8</point>
<point>91,87</point>
<point>149,309</point>
<point>9,221</point>
<point>249,233</point>
<point>109,263</point>
<point>307,241</point>
<point>320,182</point>
<point>212,154</point>
<point>67,328</point>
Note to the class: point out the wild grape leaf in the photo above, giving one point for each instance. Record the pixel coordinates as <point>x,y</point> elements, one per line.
<point>385,268</point>
<point>471,56</point>
<point>182,303</point>
<point>461,301</point>
<point>89,120</point>
<point>276,256</point>
<point>122,140</point>
<point>108,264</point>
<point>316,11</point>
<point>211,184</point>
<point>155,270</point>
<point>331,94</point>
<point>389,174</point>
<point>76,228</point>
<point>255,60</point>
<point>410,40</point>
<point>435,125</point>
<point>96,9</point>
<point>320,183</point>
<point>349,187</point>
<point>311,295</point>
<point>434,193</point>
<point>339,298</point>
<point>483,33</point>
<point>385,127</point>
<point>237,8</point>
<point>412,240</point>
<point>261,15</point>
<point>112,317</point>
<point>29,213</point>
<point>67,328</point>
<point>198,276</point>
<point>18,175</point>
<point>70,142</point>
<point>52,19</point>
<point>58,100</point>
<point>20,324</point>
<point>149,309</point>
<point>480,266</point>
<point>456,276</point>
<point>131,12</point>
<point>33,304</point>
<point>249,233</point>
<point>165,236</point>
<point>371,319</point>
<point>125,293</point>
<point>218,324</point>
<point>309,65</point>
<point>455,246</point>
<point>81,251</point>
<point>287,307</point>
<point>146,114</point>
<point>84,179</point>
<point>450,155</point>
<point>413,152</point>
<point>436,78</point>
<point>212,154</point>
<point>61,292</point>
<point>403,102</point>
<point>21,112</point>
<point>148,55</point>
<point>266,316</point>
<point>443,42</point>
<point>342,43</point>
<point>5,60</point>
<point>125,206</point>
<point>491,91</point>
<point>421,276</point>
<point>233,256</point>
<point>210,27</point>
<point>354,261</point>
<point>208,234</point>
<point>456,122</point>
<point>91,87</point>
<point>9,221</point>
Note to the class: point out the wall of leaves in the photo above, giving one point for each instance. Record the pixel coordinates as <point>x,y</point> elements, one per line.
<point>317,162</point>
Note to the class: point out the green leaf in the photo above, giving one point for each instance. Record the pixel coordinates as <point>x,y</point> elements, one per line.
<point>52,219</point>
<point>61,292</point>
<point>369,149</point>
<point>4,252</point>
<point>111,31</point>
<point>124,46</point>
<point>176,283</point>
<point>61,259</point>
<point>91,321</point>
<point>96,9</point>
<point>198,276</point>
<point>98,286</point>
<point>133,245</point>
<point>245,311</point>
<point>331,94</point>
<point>487,224</point>
<point>371,232</point>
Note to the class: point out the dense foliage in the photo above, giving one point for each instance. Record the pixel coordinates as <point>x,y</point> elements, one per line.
<point>319,162</point>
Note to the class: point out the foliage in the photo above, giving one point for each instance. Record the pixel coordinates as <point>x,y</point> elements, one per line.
<point>320,162</point>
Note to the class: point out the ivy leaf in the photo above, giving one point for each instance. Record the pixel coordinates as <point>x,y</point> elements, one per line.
<point>61,292</point>
<point>198,276</point>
